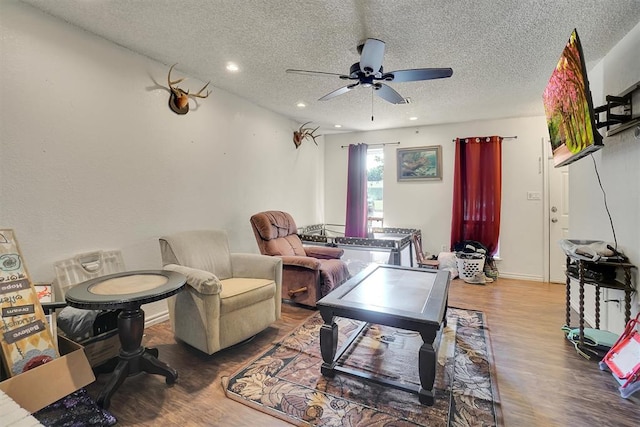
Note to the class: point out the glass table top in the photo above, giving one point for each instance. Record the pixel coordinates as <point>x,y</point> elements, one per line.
<point>390,291</point>
<point>397,289</point>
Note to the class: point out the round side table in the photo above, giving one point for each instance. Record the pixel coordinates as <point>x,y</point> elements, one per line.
<point>128,291</point>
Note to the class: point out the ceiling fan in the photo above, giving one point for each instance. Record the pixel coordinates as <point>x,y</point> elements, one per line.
<point>369,73</point>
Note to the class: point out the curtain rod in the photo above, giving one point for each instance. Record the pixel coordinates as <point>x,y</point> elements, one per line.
<point>375,145</point>
<point>503,137</point>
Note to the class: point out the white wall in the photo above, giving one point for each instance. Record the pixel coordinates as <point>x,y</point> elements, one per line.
<point>427,204</point>
<point>91,156</point>
<point>618,164</point>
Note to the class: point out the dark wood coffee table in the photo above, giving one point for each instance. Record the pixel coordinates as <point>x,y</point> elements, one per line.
<point>406,298</point>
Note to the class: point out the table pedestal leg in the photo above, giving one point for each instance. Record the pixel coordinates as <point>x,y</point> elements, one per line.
<point>117,377</point>
<point>134,358</point>
<point>427,368</point>
<point>328,346</point>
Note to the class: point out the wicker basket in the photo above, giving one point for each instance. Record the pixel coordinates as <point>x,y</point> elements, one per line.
<point>469,267</point>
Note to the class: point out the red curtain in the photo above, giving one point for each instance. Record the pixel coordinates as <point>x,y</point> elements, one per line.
<point>477,189</point>
<point>356,221</point>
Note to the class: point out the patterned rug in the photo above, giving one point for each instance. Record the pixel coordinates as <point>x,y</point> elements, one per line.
<point>75,410</point>
<point>286,382</point>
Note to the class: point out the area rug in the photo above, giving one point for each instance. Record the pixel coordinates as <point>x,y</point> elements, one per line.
<point>285,381</point>
<point>75,410</point>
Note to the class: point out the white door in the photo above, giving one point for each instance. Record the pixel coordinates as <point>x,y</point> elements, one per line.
<point>558,220</point>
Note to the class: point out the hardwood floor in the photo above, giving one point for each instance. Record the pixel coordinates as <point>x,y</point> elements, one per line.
<point>542,381</point>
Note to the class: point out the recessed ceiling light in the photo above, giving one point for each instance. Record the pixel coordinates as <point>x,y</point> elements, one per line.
<point>232,67</point>
<point>337,126</point>
<point>301,105</point>
<point>413,118</point>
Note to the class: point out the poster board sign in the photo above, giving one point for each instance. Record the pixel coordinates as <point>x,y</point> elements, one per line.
<point>45,293</point>
<point>25,339</point>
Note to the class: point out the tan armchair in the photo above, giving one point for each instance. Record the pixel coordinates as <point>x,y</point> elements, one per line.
<point>230,297</point>
<point>309,272</point>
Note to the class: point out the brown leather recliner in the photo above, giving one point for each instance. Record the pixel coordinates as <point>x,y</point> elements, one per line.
<point>309,272</point>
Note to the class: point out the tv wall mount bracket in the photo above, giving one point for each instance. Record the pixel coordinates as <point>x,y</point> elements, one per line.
<point>618,112</point>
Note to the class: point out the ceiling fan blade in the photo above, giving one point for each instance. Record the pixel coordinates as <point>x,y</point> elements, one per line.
<point>419,74</point>
<point>337,92</point>
<point>314,73</point>
<point>388,94</point>
<point>371,57</point>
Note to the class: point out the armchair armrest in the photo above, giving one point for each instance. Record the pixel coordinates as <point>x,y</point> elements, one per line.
<point>324,252</point>
<point>200,280</point>
<point>301,261</point>
<point>256,266</point>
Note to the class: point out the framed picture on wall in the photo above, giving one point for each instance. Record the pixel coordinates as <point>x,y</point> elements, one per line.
<point>420,163</point>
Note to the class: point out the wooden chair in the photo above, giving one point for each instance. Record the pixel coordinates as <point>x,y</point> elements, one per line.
<point>421,257</point>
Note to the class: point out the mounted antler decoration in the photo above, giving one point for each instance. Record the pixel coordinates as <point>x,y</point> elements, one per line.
<point>179,99</point>
<point>303,133</point>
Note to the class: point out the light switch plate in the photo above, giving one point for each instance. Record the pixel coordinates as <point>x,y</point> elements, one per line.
<point>533,195</point>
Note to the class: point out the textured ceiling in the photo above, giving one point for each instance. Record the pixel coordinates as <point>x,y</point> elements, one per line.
<point>502,51</point>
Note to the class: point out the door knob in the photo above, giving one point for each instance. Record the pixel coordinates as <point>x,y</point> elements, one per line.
<point>554,209</point>
<point>554,220</point>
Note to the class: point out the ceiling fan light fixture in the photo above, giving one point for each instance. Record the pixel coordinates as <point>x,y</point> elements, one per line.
<point>369,72</point>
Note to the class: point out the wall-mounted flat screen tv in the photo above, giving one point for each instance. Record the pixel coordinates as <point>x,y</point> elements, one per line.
<point>569,107</point>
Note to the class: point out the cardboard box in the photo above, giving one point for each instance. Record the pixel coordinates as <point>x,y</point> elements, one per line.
<point>48,383</point>
<point>101,348</point>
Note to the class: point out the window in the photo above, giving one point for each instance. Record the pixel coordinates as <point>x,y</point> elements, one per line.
<point>375,174</point>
